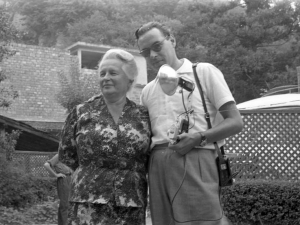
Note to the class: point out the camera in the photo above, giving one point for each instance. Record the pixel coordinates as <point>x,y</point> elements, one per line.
<point>186,84</point>
<point>181,126</point>
<point>223,166</point>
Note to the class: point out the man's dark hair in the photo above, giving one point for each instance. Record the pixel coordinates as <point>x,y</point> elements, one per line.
<point>148,26</point>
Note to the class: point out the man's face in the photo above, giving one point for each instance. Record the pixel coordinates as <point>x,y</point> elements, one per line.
<point>154,40</point>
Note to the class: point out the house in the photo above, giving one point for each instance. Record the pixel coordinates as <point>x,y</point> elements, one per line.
<point>30,139</point>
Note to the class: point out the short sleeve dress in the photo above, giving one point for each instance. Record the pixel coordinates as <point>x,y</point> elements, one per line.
<point>109,185</point>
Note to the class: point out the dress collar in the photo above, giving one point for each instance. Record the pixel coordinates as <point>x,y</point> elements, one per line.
<point>128,103</point>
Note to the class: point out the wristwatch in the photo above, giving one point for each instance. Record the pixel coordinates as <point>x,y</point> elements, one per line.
<point>203,140</point>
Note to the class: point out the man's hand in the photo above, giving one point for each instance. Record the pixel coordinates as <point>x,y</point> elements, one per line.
<point>186,143</point>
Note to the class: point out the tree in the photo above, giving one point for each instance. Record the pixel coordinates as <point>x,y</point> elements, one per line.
<point>101,21</point>
<point>46,20</point>
<point>7,34</point>
<point>255,5</point>
<point>7,94</point>
<point>8,143</point>
<point>245,45</point>
<point>75,87</point>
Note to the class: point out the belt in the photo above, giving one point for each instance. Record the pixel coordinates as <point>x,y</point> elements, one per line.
<point>165,145</point>
<point>161,145</point>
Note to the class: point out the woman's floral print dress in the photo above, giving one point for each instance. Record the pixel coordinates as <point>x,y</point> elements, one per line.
<point>109,184</point>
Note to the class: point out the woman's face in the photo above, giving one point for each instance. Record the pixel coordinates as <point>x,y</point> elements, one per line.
<point>113,80</point>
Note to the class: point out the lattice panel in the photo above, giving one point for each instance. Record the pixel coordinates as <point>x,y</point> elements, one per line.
<point>33,162</point>
<point>268,146</point>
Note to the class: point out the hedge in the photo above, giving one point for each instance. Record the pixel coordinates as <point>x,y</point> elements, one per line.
<point>262,202</point>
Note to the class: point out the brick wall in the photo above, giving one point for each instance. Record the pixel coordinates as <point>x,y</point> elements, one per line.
<point>33,73</point>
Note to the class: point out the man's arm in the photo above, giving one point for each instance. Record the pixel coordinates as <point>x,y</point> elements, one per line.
<point>232,124</point>
<point>52,162</point>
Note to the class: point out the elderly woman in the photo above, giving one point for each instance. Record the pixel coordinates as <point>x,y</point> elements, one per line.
<point>106,142</point>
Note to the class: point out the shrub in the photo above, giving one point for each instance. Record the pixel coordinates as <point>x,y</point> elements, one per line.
<point>262,202</point>
<point>24,198</point>
<point>12,216</point>
<point>8,143</point>
<point>76,87</point>
<point>43,213</point>
<point>18,189</point>
<point>18,192</point>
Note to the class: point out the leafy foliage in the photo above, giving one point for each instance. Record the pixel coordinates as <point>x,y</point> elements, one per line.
<point>7,92</point>
<point>42,213</point>
<point>18,189</point>
<point>244,45</point>
<point>7,34</point>
<point>262,202</point>
<point>46,20</point>
<point>75,87</point>
<point>8,143</point>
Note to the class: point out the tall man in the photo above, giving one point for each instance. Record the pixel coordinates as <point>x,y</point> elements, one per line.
<point>183,178</point>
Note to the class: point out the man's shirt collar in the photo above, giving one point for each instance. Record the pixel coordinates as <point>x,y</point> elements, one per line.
<point>186,67</point>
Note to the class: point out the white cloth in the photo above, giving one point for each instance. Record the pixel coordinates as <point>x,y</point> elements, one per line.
<point>164,109</point>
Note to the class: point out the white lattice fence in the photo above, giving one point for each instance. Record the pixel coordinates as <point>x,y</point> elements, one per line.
<point>33,162</point>
<point>269,145</point>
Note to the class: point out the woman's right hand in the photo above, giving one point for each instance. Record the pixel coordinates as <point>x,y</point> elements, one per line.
<point>60,175</point>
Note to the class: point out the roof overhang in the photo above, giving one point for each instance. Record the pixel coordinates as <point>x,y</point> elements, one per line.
<point>287,101</point>
<point>31,139</point>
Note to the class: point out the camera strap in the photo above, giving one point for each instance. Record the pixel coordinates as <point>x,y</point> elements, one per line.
<point>221,152</point>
